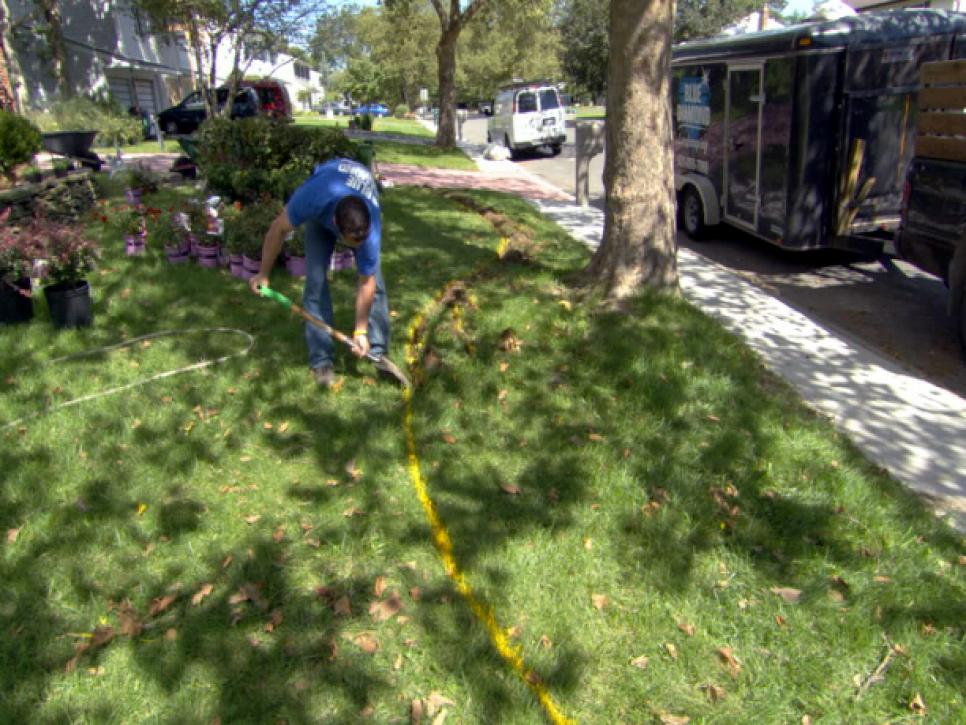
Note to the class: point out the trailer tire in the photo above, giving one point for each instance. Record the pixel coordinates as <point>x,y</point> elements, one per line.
<point>692,213</point>
<point>959,317</point>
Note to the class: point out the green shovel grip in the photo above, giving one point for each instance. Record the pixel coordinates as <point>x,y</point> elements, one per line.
<point>277,296</point>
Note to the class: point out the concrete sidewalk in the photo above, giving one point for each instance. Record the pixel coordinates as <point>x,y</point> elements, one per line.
<point>911,428</point>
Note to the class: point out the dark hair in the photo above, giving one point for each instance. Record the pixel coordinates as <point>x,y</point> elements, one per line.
<point>352,218</point>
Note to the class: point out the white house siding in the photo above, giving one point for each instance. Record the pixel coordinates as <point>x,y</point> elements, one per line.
<point>279,66</point>
<point>106,54</point>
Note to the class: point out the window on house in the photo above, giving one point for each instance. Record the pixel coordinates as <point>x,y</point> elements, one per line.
<point>142,22</point>
<point>301,71</point>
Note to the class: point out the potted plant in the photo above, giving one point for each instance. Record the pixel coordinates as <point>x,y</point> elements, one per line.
<point>165,230</point>
<point>17,254</point>
<point>233,238</point>
<point>70,257</point>
<point>33,174</point>
<point>62,167</point>
<point>130,220</point>
<point>295,264</point>
<point>139,181</point>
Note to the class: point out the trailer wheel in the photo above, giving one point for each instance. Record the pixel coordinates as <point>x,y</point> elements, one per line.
<point>959,318</point>
<point>692,213</point>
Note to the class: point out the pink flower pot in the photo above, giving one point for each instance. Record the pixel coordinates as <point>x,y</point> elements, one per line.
<point>207,256</point>
<point>134,244</point>
<point>342,259</point>
<point>250,267</point>
<point>296,266</point>
<point>235,264</point>
<point>176,255</point>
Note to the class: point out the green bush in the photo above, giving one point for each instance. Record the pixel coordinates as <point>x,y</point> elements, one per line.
<point>19,141</point>
<point>401,111</point>
<point>250,158</point>
<point>113,124</point>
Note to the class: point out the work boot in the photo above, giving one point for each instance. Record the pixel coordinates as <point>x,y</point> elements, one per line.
<point>324,376</point>
<point>389,371</point>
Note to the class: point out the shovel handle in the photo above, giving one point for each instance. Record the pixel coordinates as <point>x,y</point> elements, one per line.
<point>305,315</point>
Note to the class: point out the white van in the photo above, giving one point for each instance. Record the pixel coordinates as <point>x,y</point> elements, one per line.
<point>527,115</point>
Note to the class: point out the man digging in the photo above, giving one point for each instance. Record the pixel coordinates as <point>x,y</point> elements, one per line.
<point>339,206</point>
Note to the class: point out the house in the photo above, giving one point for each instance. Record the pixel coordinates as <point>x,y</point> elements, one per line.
<point>108,48</point>
<point>304,84</point>
<point>864,6</point>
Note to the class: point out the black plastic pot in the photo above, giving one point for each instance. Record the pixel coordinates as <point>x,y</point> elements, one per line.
<point>16,304</point>
<point>70,304</point>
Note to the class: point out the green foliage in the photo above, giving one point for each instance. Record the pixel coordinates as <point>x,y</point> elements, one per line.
<point>362,122</point>
<point>705,18</point>
<point>296,243</point>
<point>401,111</point>
<point>250,158</point>
<point>127,219</point>
<point>165,229</point>
<point>584,25</point>
<point>19,141</point>
<point>246,225</point>
<point>141,178</point>
<point>113,124</point>
<point>17,250</point>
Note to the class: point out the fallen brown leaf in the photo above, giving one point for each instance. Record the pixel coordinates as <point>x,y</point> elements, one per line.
<point>546,642</point>
<point>366,642</point>
<point>385,609</point>
<point>416,711</point>
<point>397,663</point>
<point>352,512</point>
<point>588,544</point>
<point>226,562</point>
<point>687,628</point>
<point>12,535</point>
<point>199,595</point>
<point>449,438</point>
<point>380,586</point>
<point>882,579</point>
<point>171,634</point>
<point>918,705</point>
<point>252,519</point>
<point>671,650</point>
<point>780,620</point>
<point>415,593</point>
<point>160,604</point>
<point>599,600</point>
<point>596,437</point>
<point>355,473</point>
<point>715,693</point>
<point>787,593</point>
<point>131,624</point>
<point>342,607</point>
<point>510,488</point>
<point>640,662</point>
<point>667,718</point>
<point>727,656</point>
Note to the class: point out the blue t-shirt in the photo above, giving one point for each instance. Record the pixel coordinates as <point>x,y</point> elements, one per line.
<point>317,197</point>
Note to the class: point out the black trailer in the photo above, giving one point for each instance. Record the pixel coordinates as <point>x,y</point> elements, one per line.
<point>802,136</point>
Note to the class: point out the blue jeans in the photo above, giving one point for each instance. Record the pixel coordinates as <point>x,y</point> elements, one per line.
<point>316,299</point>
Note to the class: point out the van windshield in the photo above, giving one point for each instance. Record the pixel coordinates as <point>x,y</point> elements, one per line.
<point>526,102</point>
<point>549,99</point>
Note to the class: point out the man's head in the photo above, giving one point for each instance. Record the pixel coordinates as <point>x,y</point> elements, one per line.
<point>352,220</point>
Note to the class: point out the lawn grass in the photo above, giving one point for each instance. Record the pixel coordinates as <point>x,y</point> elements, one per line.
<point>593,112</point>
<point>573,453</point>
<point>388,124</point>
<point>142,147</point>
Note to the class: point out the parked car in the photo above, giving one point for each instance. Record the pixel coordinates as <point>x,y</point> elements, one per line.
<point>273,97</point>
<point>338,108</point>
<point>185,117</point>
<point>373,109</point>
<point>525,116</point>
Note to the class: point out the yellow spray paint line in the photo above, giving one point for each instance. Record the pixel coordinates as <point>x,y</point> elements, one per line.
<point>444,545</point>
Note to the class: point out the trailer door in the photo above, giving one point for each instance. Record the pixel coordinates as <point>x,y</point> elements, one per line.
<point>743,144</point>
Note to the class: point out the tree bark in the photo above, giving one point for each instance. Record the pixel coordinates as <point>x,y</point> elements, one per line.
<point>446,61</point>
<point>638,247</point>
<point>58,49</point>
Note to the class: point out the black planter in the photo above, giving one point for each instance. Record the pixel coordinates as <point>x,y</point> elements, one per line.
<point>70,304</point>
<point>16,304</point>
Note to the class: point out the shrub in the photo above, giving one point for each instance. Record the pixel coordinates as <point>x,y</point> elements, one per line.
<point>128,219</point>
<point>363,122</point>
<point>247,159</point>
<point>401,111</point>
<point>19,141</point>
<point>296,243</point>
<point>139,177</point>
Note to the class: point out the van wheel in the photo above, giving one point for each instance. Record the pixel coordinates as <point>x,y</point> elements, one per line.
<point>556,148</point>
<point>171,128</point>
<point>692,213</point>
<point>514,154</point>
<point>959,318</point>
<point>489,139</point>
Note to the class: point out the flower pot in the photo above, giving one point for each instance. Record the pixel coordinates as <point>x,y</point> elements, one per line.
<point>133,196</point>
<point>342,259</point>
<point>70,304</point>
<point>16,304</point>
<point>134,244</point>
<point>296,266</point>
<point>223,260</point>
<point>207,256</point>
<point>235,264</point>
<point>250,267</point>
<point>177,254</point>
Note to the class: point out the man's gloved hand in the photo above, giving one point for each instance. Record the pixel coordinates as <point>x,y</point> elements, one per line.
<point>360,343</point>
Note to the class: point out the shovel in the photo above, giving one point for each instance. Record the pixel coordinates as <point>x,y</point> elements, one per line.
<point>382,363</point>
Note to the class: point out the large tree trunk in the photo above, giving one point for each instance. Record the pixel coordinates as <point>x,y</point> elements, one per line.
<point>446,61</point>
<point>639,247</point>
